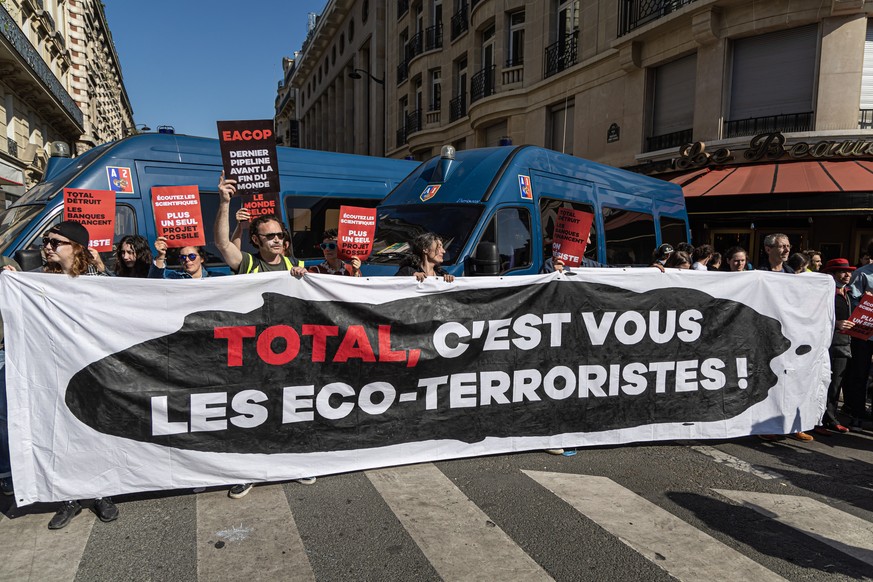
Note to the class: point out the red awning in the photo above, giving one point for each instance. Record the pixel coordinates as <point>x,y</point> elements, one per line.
<point>779,178</point>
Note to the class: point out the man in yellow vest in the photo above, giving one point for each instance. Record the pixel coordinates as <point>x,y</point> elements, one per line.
<point>268,236</point>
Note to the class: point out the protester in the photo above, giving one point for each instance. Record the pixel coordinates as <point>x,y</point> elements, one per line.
<point>714,263</point>
<point>814,260</point>
<point>6,487</point>
<point>679,260</point>
<point>798,262</point>
<point>686,248</point>
<point>332,264</point>
<point>701,257</point>
<point>840,351</point>
<point>855,384</point>
<point>426,259</point>
<point>737,259</point>
<point>269,237</point>
<point>777,248</point>
<point>133,257</point>
<point>661,254</point>
<point>66,252</point>
<point>191,259</point>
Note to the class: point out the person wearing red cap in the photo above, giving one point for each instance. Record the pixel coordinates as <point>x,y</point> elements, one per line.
<point>840,351</point>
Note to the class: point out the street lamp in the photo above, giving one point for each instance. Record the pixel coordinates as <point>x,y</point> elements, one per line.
<point>359,74</point>
<point>139,127</point>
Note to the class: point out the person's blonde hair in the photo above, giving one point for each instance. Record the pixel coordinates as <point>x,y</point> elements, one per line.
<point>81,260</point>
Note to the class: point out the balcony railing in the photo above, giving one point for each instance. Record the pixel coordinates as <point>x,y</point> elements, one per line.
<point>668,140</point>
<point>458,107</point>
<point>562,54</point>
<point>402,71</point>
<point>769,124</point>
<point>460,21</point>
<point>11,147</point>
<point>482,83</point>
<point>865,119</point>
<point>415,46</point>
<point>402,7</point>
<point>633,14</point>
<point>433,37</point>
<point>413,121</point>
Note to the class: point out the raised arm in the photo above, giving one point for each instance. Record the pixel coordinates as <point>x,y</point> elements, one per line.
<point>230,253</point>
<point>243,216</point>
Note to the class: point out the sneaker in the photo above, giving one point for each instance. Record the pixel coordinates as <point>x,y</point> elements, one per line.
<point>65,514</point>
<point>307,481</point>
<point>106,510</point>
<point>770,437</point>
<point>838,427</point>
<point>240,490</point>
<point>822,430</point>
<point>802,436</point>
<point>6,486</point>
<point>555,451</point>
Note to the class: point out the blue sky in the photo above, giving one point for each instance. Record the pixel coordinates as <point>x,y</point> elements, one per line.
<point>191,63</point>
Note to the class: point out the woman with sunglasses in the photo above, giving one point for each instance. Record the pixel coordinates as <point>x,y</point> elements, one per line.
<point>65,246</point>
<point>191,260</point>
<point>332,264</point>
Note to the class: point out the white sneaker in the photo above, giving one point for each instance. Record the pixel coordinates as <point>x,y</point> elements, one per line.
<point>307,481</point>
<point>555,451</point>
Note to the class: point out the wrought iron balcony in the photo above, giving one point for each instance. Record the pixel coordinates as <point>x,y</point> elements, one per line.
<point>415,46</point>
<point>413,121</point>
<point>668,140</point>
<point>482,83</point>
<point>460,21</point>
<point>458,107</point>
<point>769,124</point>
<point>865,119</point>
<point>11,147</point>
<point>562,54</point>
<point>433,37</point>
<point>633,14</point>
<point>402,7</point>
<point>402,71</point>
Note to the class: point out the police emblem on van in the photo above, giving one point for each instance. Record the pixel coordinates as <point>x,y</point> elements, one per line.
<point>429,192</point>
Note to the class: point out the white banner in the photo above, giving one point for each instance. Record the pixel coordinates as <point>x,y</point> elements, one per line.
<point>123,385</point>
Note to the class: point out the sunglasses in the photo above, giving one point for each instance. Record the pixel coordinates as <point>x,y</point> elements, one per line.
<point>328,246</point>
<point>54,243</point>
<point>272,235</point>
<point>188,257</point>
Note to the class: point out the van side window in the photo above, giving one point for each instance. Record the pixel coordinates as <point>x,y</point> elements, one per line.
<point>630,236</point>
<point>310,216</point>
<point>673,230</point>
<point>125,221</point>
<point>509,229</point>
<point>549,216</point>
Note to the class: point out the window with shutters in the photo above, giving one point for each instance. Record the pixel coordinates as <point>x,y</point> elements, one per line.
<point>672,113</point>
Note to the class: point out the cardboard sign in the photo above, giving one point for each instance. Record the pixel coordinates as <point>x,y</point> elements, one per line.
<point>571,235</point>
<point>248,153</point>
<point>95,210</point>
<point>862,317</point>
<point>356,229</point>
<point>261,204</point>
<point>178,217</point>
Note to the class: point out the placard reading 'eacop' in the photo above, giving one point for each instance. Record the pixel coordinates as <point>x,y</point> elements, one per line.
<point>248,153</point>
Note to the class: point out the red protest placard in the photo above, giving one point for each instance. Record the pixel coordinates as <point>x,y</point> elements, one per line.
<point>862,317</point>
<point>571,235</point>
<point>356,229</point>
<point>95,210</point>
<point>261,204</point>
<point>178,216</point>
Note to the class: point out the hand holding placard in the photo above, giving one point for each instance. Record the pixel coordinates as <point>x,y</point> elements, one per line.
<point>570,238</point>
<point>862,318</point>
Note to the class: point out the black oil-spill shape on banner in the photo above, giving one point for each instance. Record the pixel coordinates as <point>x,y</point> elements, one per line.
<point>115,395</point>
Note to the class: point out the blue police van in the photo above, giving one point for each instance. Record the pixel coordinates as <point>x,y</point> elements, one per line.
<point>496,208</point>
<point>313,186</point>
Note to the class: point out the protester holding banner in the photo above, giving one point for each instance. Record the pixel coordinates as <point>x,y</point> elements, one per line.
<point>332,264</point>
<point>777,248</point>
<point>66,252</point>
<point>701,257</point>
<point>133,257</point>
<point>714,263</point>
<point>191,260</point>
<point>840,351</point>
<point>426,259</point>
<point>736,259</point>
<point>855,386</point>
<point>678,260</point>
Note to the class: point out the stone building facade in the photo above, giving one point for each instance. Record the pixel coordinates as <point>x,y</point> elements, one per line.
<point>60,83</point>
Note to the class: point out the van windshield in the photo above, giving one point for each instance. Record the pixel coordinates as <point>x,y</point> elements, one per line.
<point>13,220</point>
<point>396,226</point>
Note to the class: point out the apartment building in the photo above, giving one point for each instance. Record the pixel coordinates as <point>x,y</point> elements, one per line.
<point>60,86</point>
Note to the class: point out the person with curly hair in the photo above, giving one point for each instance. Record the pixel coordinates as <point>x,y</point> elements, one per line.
<point>133,257</point>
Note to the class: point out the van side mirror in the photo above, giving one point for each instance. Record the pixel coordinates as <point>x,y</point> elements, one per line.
<point>29,259</point>
<point>486,260</point>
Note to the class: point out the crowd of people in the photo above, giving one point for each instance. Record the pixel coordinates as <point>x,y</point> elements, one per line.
<point>65,249</point>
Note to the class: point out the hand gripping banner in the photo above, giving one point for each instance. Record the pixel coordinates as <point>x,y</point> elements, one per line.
<point>118,386</point>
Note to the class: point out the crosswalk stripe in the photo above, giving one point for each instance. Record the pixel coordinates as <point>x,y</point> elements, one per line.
<point>456,536</point>
<point>31,551</point>
<point>838,529</point>
<point>735,463</point>
<point>677,547</point>
<point>253,538</point>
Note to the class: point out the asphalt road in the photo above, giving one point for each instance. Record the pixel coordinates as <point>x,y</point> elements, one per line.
<point>727,510</point>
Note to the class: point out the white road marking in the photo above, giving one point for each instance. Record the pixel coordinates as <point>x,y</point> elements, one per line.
<point>682,550</point>
<point>253,538</point>
<point>31,551</point>
<point>735,463</point>
<point>453,533</point>
<point>838,529</point>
